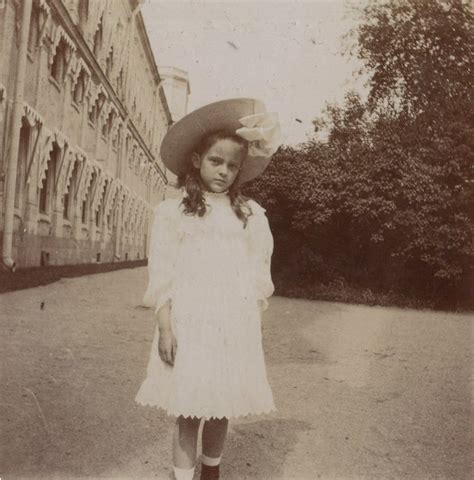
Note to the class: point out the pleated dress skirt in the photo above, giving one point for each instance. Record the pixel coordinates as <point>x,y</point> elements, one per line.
<point>219,369</point>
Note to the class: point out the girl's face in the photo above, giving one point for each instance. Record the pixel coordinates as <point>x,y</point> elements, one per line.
<point>220,165</point>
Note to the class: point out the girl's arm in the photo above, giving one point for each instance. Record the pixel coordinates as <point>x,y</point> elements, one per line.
<point>162,255</point>
<point>261,248</point>
<point>167,344</point>
<point>161,260</point>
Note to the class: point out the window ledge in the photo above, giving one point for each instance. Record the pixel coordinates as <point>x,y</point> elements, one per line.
<point>44,217</point>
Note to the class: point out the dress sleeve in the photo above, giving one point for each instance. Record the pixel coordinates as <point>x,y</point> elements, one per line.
<point>161,256</point>
<point>261,249</point>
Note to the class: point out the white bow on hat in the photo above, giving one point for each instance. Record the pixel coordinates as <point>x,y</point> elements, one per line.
<point>262,131</point>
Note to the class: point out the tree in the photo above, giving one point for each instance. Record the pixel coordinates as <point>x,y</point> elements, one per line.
<point>419,54</point>
<point>388,199</point>
<point>420,59</point>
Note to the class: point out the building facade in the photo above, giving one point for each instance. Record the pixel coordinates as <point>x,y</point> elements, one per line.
<point>93,114</point>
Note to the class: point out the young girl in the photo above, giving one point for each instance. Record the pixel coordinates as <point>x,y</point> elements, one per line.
<point>209,280</point>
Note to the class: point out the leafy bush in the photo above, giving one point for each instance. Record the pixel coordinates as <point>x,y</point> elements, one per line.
<point>387,202</point>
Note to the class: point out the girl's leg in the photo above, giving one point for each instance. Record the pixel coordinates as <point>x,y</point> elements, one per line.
<point>185,443</point>
<point>213,437</point>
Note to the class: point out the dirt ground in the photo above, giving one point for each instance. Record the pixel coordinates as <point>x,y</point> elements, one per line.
<point>362,392</point>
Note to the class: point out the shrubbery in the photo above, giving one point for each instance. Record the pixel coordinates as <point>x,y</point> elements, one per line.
<point>386,202</point>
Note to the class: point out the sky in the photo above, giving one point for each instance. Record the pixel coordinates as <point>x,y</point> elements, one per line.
<point>286,53</point>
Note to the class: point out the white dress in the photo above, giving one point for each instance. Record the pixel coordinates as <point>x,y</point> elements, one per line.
<point>214,271</point>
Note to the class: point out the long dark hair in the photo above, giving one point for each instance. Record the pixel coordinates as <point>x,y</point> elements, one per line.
<point>191,180</point>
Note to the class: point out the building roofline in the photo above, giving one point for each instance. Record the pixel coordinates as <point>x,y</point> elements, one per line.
<point>151,59</point>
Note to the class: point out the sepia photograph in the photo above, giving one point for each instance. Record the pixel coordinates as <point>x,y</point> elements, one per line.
<point>237,239</point>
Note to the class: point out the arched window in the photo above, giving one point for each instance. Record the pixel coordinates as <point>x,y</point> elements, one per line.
<point>59,65</point>
<point>67,196</point>
<point>107,126</point>
<point>33,32</point>
<point>109,63</point>
<point>47,189</point>
<point>120,85</point>
<point>98,39</point>
<point>83,12</point>
<point>117,139</point>
<point>25,134</point>
<point>85,207</point>
<point>79,88</point>
<point>100,210</point>
<point>84,215</point>
<point>93,114</point>
<point>96,108</point>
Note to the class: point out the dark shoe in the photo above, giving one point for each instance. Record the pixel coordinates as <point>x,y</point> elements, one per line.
<point>209,473</point>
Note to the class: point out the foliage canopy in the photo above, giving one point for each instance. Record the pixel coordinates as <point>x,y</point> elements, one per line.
<point>387,200</point>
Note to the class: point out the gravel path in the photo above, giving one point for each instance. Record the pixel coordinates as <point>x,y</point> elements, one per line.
<point>362,392</point>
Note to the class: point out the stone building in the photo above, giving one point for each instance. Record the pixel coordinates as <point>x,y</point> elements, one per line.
<point>84,117</point>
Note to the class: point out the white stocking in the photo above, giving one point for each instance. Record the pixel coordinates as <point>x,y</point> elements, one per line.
<point>183,473</point>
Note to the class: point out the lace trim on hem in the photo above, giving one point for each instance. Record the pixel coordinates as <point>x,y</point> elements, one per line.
<point>232,416</point>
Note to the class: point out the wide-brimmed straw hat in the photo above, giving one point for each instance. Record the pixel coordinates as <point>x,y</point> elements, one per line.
<point>246,117</point>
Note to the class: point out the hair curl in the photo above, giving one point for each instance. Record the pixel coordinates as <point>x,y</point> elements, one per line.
<point>191,180</point>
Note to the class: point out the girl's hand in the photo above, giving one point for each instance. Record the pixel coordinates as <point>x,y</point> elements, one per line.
<point>167,346</point>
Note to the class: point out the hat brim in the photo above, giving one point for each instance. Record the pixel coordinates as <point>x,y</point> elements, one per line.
<point>184,136</point>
